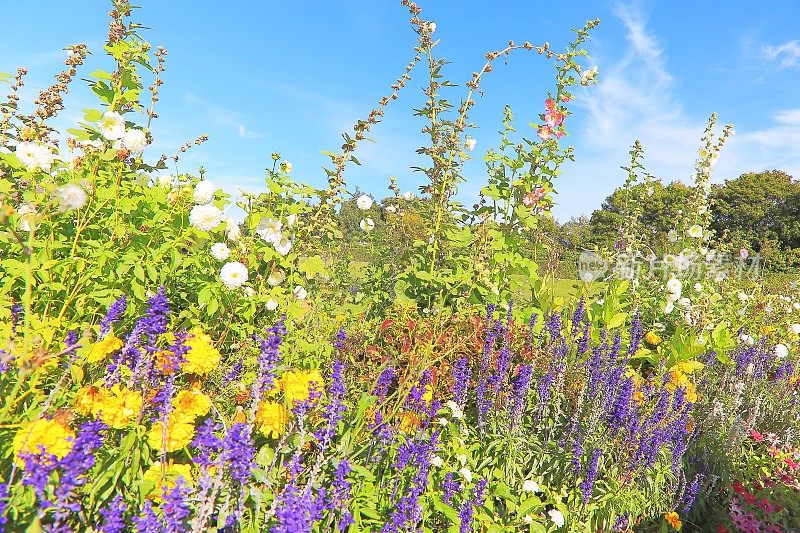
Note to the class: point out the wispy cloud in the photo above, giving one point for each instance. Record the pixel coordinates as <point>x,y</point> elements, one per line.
<point>223,116</point>
<point>788,53</point>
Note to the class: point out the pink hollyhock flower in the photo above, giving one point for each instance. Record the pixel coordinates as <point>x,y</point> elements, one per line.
<point>544,133</point>
<point>792,464</point>
<point>559,133</point>
<point>758,437</point>
<point>550,104</point>
<point>554,118</point>
<point>565,98</point>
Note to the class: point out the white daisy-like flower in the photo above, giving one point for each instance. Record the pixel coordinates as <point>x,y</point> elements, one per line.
<point>35,156</point>
<point>795,328</point>
<point>364,202</point>
<point>271,305</point>
<point>367,224</point>
<point>696,232</point>
<point>220,251</point>
<point>70,196</point>
<point>134,141</point>
<point>470,144</point>
<point>204,192</point>
<point>455,409</point>
<point>466,473</point>
<point>698,287</point>
<point>408,195</point>
<point>25,213</point>
<point>233,274</point>
<point>672,235</point>
<point>286,167</point>
<point>165,181</point>
<point>290,220</point>
<point>270,229</point>
<point>747,339</point>
<point>276,277</point>
<point>232,230</point>
<point>205,217</point>
<point>391,209</point>
<point>557,517</point>
<point>437,461</point>
<point>300,292</point>
<point>674,286</point>
<point>112,125</point>
<point>781,351</point>
<point>530,485</point>
<point>284,245</point>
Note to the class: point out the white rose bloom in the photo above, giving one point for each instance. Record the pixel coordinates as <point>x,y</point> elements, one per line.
<point>204,192</point>
<point>795,328</point>
<point>696,232</point>
<point>698,287</point>
<point>674,286</point>
<point>300,292</point>
<point>669,307</point>
<point>220,251</point>
<point>70,196</point>
<point>35,156</point>
<point>205,217</point>
<point>437,461</point>
<point>557,517</point>
<point>672,235</point>
<point>685,302</point>
<point>466,474</point>
<point>284,245</point>
<point>271,305</point>
<point>470,144</point>
<point>232,230</point>
<point>391,209</point>
<point>408,195</point>
<point>249,292</point>
<point>443,421</point>
<point>165,181</point>
<point>290,220</point>
<point>530,486</point>
<point>134,141</point>
<point>286,167</point>
<point>112,125</point>
<point>431,27</point>
<point>781,351</point>
<point>462,459</point>
<point>270,230</point>
<point>367,224</point>
<point>747,339</point>
<point>364,202</point>
<point>233,274</point>
<point>276,277</point>
<point>24,220</point>
<point>455,409</point>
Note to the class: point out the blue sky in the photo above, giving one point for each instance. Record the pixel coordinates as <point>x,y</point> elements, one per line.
<point>263,76</point>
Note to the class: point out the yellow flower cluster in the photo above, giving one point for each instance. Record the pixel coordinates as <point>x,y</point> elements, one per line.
<point>164,479</point>
<point>188,405</point>
<point>652,339</point>
<point>679,377</point>
<point>103,348</point>
<point>202,357</point>
<point>51,436</point>
<point>673,520</point>
<point>117,406</point>
<point>271,418</point>
<point>298,384</point>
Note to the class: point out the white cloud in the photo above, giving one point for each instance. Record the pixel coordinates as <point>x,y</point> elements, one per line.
<point>223,116</point>
<point>788,53</point>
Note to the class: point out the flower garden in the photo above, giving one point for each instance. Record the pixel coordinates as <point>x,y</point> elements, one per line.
<point>338,362</point>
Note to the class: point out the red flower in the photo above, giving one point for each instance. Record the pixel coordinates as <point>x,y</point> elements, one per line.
<point>749,498</point>
<point>550,104</point>
<point>789,461</point>
<point>758,437</point>
<point>723,529</point>
<point>738,488</point>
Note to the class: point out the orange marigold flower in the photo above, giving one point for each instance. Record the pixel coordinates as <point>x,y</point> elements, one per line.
<point>673,520</point>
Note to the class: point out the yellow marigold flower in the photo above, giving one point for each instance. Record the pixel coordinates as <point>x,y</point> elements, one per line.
<point>89,399</point>
<point>673,520</point>
<point>239,417</point>
<point>191,403</point>
<point>180,432</point>
<point>50,436</point>
<point>103,348</point>
<point>652,339</point>
<point>298,384</point>
<point>166,477</point>
<point>677,379</point>
<point>428,394</point>
<point>638,396</point>
<point>409,421</point>
<point>202,357</point>
<point>691,393</point>
<point>686,367</point>
<point>767,330</point>
<point>271,418</point>
<point>120,407</point>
